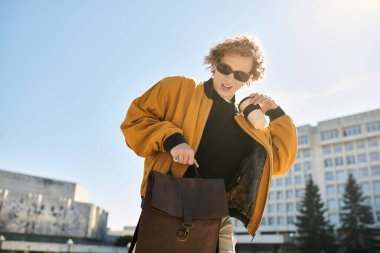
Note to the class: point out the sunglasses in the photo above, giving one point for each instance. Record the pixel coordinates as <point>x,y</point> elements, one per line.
<point>238,75</point>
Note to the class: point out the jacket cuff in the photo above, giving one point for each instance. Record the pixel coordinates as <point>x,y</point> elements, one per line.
<point>172,141</point>
<point>275,113</point>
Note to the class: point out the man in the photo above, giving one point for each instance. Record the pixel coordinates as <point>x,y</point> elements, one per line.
<point>181,124</point>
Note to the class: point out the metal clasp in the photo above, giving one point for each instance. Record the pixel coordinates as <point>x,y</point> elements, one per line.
<point>183,233</point>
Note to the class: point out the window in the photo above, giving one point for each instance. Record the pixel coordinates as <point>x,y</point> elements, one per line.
<point>334,218</point>
<point>360,144</point>
<point>362,158</point>
<point>270,196</point>
<point>365,187</point>
<point>376,186</point>
<point>270,208</point>
<point>329,134</point>
<point>352,130</point>
<point>279,182</point>
<point>298,206</point>
<point>297,167</point>
<point>298,180</point>
<point>375,170</point>
<point>280,195</point>
<point>270,220</point>
<point>373,142</point>
<point>340,175</point>
<point>349,146</point>
<point>289,207</point>
<point>377,201</point>
<point>306,153</point>
<point>307,166</point>
<point>352,172</point>
<point>288,181</point>
<point>329,176</point>
<point>303,140</point>
<point>374,156</point>
<point>280,207</point>
<point>363,172</point>
<point>326,150</point>
<point>341,188</point>
<point>332,204</point>
<point>290,220</point>
<point>350,159</point>
<point>327,163</point>
<point>289,194</point>
<point>367,201</point>
<point>280,220</point>
<point>330,190</point>
<point>338,161</point>
<point>298,155</point>
<point>263,221</point>
<point>373,126</point>
<point>299,193</point>
<point>338,148</point>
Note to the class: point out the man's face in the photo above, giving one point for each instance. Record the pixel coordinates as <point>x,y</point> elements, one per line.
<point>226,85</point>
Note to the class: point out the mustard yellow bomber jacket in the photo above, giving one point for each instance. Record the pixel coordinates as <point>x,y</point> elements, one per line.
<point>180,105</point>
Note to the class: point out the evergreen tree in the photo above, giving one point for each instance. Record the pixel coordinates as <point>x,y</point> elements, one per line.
<point>357,232</point>
<point>314,234</point>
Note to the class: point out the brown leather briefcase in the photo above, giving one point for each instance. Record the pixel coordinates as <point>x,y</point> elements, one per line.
<point>180,215</point>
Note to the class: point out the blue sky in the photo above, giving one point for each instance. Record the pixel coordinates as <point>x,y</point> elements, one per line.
<point>70,69</point>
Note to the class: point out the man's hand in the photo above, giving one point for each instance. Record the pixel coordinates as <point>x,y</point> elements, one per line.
<point>266,103</point>
<point>184,154</point>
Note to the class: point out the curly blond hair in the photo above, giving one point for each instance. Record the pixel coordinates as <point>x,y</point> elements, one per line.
<point>243,45</point>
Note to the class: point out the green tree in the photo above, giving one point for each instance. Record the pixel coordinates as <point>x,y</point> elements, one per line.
<point>314,233</point>
<point>357,232</point>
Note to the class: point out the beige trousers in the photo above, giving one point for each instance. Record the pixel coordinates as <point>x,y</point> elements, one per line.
<point>227,240</point>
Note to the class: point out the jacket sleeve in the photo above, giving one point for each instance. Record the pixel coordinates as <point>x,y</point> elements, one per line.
<point>284,144</point>
<point>145,128</point>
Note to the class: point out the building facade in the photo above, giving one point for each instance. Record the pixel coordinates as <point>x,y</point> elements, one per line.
<point>328,153</point>
<point>36,206</point>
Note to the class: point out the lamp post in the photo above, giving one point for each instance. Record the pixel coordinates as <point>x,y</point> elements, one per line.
<point>69,244</point>
<point>2,239</point>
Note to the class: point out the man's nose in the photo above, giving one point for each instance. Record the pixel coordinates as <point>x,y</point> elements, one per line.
<point>230,78</point>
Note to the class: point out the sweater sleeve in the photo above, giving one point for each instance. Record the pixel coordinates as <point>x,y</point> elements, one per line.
<point>144,127</point>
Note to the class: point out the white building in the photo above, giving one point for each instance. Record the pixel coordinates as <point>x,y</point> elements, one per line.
<point>328,152</point>
<point>31,205</point>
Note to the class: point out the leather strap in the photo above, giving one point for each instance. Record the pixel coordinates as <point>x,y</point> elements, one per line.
<point>134,239</point>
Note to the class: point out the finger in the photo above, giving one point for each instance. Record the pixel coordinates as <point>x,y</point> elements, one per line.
<point>255,99</point>
<point>196,165</point>
<point>180,158</point>
<point>191,161</point>
<point>185,159</point>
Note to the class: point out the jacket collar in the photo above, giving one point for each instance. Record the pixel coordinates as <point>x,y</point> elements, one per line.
<point>209,89</point>
<point>210,93</point>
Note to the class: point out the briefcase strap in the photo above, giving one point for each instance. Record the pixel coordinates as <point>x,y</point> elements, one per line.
<point>134,239</point>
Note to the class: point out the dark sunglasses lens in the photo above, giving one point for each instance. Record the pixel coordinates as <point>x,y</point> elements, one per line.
<point>224,69</point>
<point>241,76</point>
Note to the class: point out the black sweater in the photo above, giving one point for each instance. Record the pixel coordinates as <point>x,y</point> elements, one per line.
<point>224,144</point>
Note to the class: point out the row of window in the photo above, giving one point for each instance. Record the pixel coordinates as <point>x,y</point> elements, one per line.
<point>270,221</point>
<point>335,204</point>
<point>334,218</point>
<point>341,175</point>
<point>365,186</point>
<point>288,180</point>
<point>351,159</point>
<point>278,195</point>
<point>349,146</point>
<point>281,207</point>
<point>350,131</point>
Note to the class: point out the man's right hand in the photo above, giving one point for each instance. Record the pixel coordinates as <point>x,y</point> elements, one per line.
<point>184,154</point>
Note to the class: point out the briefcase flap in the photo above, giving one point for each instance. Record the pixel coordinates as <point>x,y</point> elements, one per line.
<point>205,197</point>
